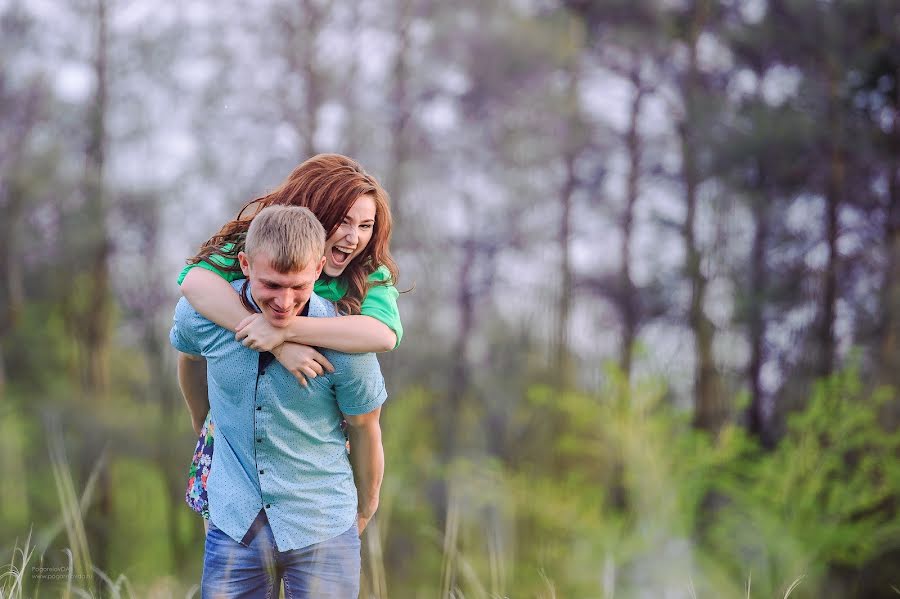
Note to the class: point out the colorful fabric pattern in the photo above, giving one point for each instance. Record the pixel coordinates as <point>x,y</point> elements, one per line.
<point>195,496</point>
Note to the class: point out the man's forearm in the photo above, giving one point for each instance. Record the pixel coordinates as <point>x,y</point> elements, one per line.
<point>367,460</point>
<point>192,380</point>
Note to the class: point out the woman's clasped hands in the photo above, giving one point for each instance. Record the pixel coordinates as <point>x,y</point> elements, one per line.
<point>302,361</point>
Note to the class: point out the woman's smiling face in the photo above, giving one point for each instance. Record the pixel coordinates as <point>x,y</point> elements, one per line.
<point>351,237</point>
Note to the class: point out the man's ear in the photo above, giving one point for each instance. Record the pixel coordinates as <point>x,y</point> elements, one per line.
<point>244,261</point>
<point>321,266</point>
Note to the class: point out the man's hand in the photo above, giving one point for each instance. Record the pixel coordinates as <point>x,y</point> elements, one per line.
<point>256,333</point>
<point>362,522</point>
<point>302,361</point>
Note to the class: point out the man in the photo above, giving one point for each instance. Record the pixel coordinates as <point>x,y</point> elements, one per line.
<point>286,501</point>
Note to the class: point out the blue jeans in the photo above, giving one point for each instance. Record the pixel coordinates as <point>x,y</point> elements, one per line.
<point>326,570</point>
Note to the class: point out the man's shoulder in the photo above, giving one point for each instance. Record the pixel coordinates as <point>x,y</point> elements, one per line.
<point>319,307</point>
<point>348,367</point>
<point>190,322</point>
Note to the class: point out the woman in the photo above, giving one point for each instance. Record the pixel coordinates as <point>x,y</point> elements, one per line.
<point>359,276</point>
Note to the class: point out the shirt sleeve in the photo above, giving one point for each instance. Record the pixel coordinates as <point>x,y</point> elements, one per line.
<point>381,303</point>
<point>217,264</point>
<point>359,385</point>
<point>188,329</point>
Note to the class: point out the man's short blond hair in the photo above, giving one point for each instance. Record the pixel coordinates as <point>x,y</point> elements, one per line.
<point>291,235</point>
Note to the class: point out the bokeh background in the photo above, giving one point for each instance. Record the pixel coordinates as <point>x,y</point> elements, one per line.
<point>652,254</point>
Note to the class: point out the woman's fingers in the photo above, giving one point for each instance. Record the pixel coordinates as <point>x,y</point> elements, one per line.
<point>320,359</point>
<point>300,378</point>
<point>247,320</point>
<point>319,370</point>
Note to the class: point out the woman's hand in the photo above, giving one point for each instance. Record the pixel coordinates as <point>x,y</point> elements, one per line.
<point>302,361</point>
<point>256,333</point>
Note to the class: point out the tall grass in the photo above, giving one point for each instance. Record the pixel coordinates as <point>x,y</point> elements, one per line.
<point>81,578</point>
<point>461,577</point>
<point>605,497</point>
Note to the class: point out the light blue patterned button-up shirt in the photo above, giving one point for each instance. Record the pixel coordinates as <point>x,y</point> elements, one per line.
<point>278,445</point>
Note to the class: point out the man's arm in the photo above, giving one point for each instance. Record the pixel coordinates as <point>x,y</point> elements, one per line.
<point>192,381</point>
<point>367,460</point>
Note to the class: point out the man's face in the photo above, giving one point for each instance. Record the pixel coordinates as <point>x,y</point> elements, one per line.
<point>280,296</point>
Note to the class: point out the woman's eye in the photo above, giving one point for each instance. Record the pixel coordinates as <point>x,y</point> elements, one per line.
<point>365,226</point>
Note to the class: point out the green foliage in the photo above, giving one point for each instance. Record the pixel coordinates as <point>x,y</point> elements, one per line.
<point>39,350</point>
<point>827,495</point>
<point>616,495</point>
<point>140,511</point>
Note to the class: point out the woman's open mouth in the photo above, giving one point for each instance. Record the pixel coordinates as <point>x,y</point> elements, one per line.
<point>340,257</point>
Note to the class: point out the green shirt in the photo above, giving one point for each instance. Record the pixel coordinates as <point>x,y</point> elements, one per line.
<point>380,301</point>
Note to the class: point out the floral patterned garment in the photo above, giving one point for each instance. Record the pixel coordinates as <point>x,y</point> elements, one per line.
<point>195,496</point>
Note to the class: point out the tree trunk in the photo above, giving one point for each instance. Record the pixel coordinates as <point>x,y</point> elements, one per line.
<point>400,111</point>
<point>834,190</point>
<point>627,298</point>
<point>94,314</point>
<point>300,32</point>
<point>756,421</point>
<point>710,409</point>
<point>97,311</point>
<point>352,129</point>
<point>562,355</point>
<point>313,83</point>
<point>13,285</point>
<point>889,364</point>
<point>459,381</point>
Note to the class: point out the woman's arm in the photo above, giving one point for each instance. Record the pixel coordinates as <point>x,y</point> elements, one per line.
<point>214,297</point>
<point>355,334</point>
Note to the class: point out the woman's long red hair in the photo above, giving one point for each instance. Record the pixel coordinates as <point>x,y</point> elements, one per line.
<point>327,184</point>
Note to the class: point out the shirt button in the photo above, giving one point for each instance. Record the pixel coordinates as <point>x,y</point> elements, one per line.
<point>262,471</point>
<point>268,505</point>
<point>259,408</point>
<point>259,440</point>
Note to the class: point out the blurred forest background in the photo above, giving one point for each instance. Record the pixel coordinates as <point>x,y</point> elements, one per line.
<point>654,253</point>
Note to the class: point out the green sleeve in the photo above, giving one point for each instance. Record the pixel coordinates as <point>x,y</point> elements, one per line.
<point>381,303</point>
<point>219,266</point>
